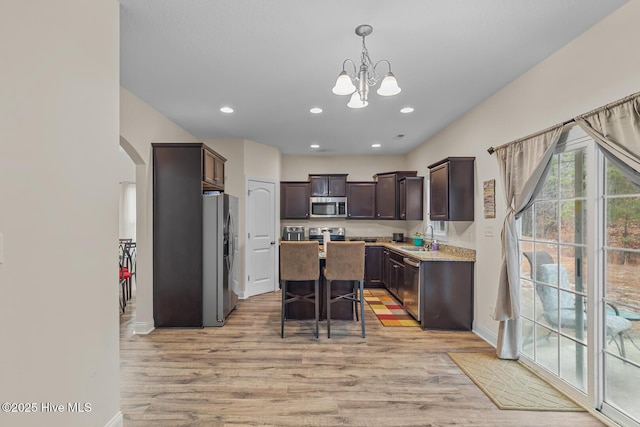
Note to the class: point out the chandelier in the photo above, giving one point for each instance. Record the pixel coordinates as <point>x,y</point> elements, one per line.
<point>367,76</point>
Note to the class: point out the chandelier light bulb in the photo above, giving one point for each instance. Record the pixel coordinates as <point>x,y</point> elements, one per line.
<point>343,86</point>
<point>389,86</point>
<point>356,102</point>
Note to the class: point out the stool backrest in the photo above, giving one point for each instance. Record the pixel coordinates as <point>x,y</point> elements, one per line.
<point>299,260</point>
<point>345,261</point>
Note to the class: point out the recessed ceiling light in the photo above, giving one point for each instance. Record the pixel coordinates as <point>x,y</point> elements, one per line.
<point>316,110</point>
<point>376,145</point>
<point>227,110</point>
<point>314,146</point>
<point>406,110</point>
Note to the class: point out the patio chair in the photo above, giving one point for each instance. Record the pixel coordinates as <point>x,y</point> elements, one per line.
<point>560,311</point>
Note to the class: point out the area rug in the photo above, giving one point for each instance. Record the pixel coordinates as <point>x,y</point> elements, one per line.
<point>386,309</point>
<point>511,385</point>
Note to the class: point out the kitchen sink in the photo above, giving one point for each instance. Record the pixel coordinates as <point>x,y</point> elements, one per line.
<point>413,248</point>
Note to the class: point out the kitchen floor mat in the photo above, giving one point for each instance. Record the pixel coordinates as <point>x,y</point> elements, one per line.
<point>386,309</point>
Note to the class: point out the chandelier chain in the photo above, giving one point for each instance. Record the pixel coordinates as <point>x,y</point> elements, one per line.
<point>372,77</point>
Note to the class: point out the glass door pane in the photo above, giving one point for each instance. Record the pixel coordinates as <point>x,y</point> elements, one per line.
<point>621,304</point>
<point>554,291</point>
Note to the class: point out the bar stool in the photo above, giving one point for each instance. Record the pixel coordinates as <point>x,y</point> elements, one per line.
<point>299,262</point>
<point>345,261</point>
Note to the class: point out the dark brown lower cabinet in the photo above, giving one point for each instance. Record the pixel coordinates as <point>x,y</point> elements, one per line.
<point>446,295</point>
<point>386,267</point>
<point>373,266</point>
<point>396,275</point>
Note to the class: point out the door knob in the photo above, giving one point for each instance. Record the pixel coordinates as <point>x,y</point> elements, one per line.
<point>273,243</point>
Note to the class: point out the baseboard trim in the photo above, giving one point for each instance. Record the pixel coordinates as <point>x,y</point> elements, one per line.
<point>485,334</point>
<point>116,421</point>
<point>143,328</point>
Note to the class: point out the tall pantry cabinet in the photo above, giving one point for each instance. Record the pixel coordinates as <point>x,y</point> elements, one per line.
<point>180,173</point>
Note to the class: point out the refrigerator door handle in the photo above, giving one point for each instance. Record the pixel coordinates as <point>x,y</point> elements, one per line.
<point>232,245</point>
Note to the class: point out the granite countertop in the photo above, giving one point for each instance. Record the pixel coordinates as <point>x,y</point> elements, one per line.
<point>445,253</point>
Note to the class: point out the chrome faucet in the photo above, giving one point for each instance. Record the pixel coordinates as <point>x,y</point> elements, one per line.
<point>428,243</point>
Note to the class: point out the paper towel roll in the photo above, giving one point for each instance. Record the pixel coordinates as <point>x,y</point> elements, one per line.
<point>326,237</point>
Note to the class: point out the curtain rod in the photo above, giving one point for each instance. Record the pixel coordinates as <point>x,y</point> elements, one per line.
<point>492,150</point>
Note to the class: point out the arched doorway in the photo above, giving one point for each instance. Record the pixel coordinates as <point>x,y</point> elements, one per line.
<point>143,322</point>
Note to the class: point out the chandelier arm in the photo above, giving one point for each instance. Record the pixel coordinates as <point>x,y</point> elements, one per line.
<point>382,60</point>
<point>355,70</point>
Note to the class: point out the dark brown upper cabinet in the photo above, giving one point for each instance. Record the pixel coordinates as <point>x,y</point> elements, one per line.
<point>411,198</point>
<point>332,185</point>
<point>212,169</point>
<point>388,193</point>
<point>451,186</point>
<point>294,200</point>
<point>361,200</point>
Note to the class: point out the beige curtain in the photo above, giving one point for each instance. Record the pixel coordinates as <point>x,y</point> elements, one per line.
<point>616,129</point>
<point>523,166</point>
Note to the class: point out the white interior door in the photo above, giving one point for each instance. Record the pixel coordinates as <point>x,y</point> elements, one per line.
<point>261,237</point>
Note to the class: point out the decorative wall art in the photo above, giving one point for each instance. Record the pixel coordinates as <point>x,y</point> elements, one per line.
<point>489,191</point>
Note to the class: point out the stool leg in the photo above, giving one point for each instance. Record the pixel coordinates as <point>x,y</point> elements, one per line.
<point>362,306</point>
<point>284,297</point>
<point>328,308</point>
<point>316,302</point>
<point>355,298</point>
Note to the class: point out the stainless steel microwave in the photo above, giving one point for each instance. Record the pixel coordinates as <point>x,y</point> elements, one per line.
<point>327,207</point>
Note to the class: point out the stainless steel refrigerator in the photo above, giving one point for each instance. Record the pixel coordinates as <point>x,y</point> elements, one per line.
<point>220,256</point>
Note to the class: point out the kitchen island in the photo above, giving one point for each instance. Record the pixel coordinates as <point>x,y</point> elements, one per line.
<point>435,287</point>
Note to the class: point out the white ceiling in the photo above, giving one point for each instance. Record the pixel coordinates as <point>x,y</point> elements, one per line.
<point>272,60</point>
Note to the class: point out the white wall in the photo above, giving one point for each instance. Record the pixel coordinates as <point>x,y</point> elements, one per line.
<point>598,67</point>
<point>126,167</point>
<point>59,210</point>
<point>245,159</point>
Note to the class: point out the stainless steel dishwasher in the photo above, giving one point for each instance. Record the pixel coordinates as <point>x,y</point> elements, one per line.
<point>411,300</point>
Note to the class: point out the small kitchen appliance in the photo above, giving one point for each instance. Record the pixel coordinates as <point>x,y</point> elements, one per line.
<point>398,237</point>
<point>293,233</point>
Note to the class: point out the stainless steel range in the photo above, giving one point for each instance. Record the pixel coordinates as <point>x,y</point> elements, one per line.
<point>335,233</point>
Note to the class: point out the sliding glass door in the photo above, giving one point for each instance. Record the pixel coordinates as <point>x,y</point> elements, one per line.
<point>580,277</point>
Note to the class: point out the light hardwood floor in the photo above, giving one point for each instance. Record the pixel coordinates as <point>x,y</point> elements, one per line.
<point>244,374</point>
